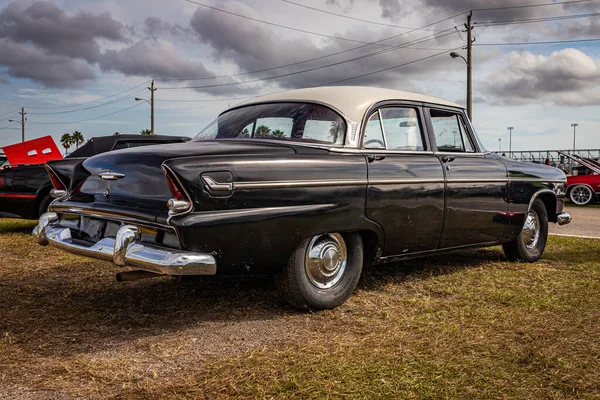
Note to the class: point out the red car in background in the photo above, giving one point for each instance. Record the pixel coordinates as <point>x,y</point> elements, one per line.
<point>584,189</point>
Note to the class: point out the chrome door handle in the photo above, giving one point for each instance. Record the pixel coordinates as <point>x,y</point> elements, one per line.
<point>372,157</point>
<point>447,159</point>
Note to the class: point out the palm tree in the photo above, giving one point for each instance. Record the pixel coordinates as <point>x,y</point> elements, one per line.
<point>77,138</point>
<point>66,140</point>
<point>262,131</point>
<point>146,132</point>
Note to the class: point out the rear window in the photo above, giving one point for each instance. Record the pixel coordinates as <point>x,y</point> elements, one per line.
<point>302,122</point>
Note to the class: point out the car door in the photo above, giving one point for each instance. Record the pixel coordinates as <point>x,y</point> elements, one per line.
<point>476,182</point>
<point>405,194</point>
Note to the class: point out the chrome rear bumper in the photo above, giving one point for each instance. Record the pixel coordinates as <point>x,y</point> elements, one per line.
<point>124,251</point>
<point>564,218</point>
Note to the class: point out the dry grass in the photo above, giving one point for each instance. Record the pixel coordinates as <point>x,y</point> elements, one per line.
<point>468,325</point>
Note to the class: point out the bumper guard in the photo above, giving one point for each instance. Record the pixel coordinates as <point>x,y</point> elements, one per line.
<point>124,251</point>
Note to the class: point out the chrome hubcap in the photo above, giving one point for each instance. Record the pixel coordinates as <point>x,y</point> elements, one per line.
<point>581,195</point>
<point>531,230</point>
<point>326,259</point>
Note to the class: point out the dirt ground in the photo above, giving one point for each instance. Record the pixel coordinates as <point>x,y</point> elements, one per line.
<point>469,325</point>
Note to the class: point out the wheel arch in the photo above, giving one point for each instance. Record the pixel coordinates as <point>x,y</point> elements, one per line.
<point>548,197</point>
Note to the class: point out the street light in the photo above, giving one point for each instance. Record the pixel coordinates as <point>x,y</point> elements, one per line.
<point>152,89</point>
<point>469,85</point>
<point>500,145</point>
<point>510,129</point>
<point>22,122</point>
<point>574,132</point>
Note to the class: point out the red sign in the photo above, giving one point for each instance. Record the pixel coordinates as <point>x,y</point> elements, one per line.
<point>36,151</point>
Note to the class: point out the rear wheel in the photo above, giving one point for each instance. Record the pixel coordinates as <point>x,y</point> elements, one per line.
<point>531,242</point>
<point>323,271</point>
<point>581,195</point>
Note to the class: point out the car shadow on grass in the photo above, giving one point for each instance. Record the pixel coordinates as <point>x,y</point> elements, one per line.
<point>69,310</point>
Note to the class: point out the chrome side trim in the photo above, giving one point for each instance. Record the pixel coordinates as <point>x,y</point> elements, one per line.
<point>404,181</point>
<point>111,176</point>
<point>475,180</point>
<point>349,182</point>
<point>291,184</point>
<point>537,180</point>
<point>124,251</point>
<point>215,186</point>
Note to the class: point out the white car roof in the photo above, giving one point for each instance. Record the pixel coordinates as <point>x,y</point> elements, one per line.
<point>352,101</point>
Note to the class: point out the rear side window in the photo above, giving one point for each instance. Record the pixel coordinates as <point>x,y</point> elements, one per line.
<point>402,129</point>
<point>450,132</point>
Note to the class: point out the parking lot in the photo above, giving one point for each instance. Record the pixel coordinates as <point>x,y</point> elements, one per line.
<point>586,222</point>
<point>467,325</point>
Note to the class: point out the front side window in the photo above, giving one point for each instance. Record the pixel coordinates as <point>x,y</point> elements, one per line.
<point>303,122</point>
<point>373,138</point>
<point>450,132</point>
<point>401,128</point>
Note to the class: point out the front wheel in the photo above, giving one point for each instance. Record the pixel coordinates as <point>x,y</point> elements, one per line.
<point>323,271</point>
<point>531,242</point>
<point>581,195</point>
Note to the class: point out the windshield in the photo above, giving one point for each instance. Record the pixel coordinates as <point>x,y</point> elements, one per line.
<point>303,122</point>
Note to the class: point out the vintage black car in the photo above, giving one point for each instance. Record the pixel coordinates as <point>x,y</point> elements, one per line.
<point>309,185</point>
<point>25,190</point>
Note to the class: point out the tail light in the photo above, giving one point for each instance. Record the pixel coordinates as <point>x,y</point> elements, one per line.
<point>2,181</point>
<point>59,190</point>
<point>180,202</point>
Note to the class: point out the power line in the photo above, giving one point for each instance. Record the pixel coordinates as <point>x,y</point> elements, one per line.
<point>86,120</point>
<point>9,126</point>
<point>353,18</point>
<point>91,101</point>
<point>531,5</point>
<point>10,113</point>
<point>387,69</point>
<point>128,97</point>
<point>534,20</point>
<point>536,43</point>
<point>262,21</point>
<point>324,56</point>
<point>379,52</point>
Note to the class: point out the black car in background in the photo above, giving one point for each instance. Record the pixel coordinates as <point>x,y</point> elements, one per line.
<point>25,190</point>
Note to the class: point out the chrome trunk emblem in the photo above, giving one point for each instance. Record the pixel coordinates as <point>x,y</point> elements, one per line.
<point>111,176</point>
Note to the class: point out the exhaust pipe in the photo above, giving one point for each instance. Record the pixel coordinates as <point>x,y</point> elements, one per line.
<point>128,276</point>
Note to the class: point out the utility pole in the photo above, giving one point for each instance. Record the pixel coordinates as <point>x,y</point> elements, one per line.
<point>152,90</point>
<point>22,122</point>
<point>469,27</point>
<point>510,129</point>
<point>500,145</point>
<point>574,133</point>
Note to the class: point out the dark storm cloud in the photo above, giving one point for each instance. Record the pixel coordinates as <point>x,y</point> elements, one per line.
<point>390,9</point>
<point>159,60</point>
<point>50,28</point>
<point>51,70</point>
<point>567,77</point>
<point>253,47</point>
<point>156,27</point>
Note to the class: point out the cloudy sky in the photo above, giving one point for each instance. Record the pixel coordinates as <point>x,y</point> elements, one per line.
<point>79,64</point>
